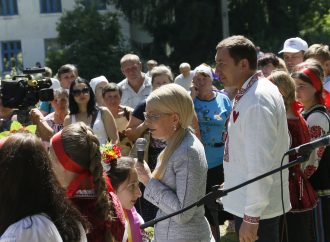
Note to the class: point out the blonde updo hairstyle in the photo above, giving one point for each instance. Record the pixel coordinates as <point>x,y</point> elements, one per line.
<point>172,98</point>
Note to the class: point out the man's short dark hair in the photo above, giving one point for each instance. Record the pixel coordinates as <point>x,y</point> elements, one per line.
<point>268,58</point>
<point>239,48</point>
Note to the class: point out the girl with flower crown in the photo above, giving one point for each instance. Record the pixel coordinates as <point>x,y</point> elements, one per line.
<point>124,180</point>
<point>76,160</point>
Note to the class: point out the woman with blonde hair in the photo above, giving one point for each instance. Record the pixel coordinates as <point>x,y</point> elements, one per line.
<point>136,127</point>
<point>303,198</point>
<point>179,178</point>
<point>76,161</point>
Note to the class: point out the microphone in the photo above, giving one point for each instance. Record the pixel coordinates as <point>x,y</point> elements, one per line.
<point>308,147</point>
<point>140,147</point>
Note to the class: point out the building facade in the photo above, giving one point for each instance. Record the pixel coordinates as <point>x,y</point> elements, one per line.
<point>28,29</point>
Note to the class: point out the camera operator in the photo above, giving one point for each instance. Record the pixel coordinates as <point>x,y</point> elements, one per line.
<point>7,115</point>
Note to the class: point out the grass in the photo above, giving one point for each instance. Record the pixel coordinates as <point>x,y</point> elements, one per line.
<point>227,237</point>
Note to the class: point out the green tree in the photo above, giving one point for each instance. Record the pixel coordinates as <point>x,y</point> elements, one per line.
<point>188,30</point>
<point>182,31</point>
<point>317,26</point>
<point>90,40</point>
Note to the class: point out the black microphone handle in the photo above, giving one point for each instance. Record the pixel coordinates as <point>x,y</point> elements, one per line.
<point>140,155</point>
<point>307,148</point>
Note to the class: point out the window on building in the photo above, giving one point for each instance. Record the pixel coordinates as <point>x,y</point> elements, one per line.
<point>11,56</point>
<point>100,4</point>
<point>50,6</point>
<point>8,7</point>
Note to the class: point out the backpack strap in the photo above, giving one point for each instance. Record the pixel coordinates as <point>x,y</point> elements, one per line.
<point>94,116</point>
<point>126,113</point>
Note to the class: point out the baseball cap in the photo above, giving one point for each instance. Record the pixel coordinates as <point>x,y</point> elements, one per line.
<point>294,45</point>
<point>204,68</point>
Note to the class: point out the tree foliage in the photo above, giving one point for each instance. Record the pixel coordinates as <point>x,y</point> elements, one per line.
<point>90,40</point>
<point>188,30</point>
<point>182,30</point>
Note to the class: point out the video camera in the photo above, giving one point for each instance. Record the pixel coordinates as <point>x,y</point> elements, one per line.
<point>23,92</point>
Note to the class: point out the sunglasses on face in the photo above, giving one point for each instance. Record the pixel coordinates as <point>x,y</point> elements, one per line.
<point>77,92</point>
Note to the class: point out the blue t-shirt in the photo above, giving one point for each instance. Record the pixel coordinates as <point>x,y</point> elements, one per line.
<point>212,115</point>
<point>46,107</point>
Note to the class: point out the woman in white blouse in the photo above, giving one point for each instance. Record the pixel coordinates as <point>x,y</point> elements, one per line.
<point>32,204</point>
<point>83,109</point>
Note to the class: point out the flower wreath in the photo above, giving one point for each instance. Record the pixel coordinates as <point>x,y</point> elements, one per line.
<point>109,152</point>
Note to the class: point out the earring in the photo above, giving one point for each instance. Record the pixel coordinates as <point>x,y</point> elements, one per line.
<point>174,127</point>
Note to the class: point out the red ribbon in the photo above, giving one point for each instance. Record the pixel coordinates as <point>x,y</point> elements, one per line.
<point>62,156</point>
<point>316,82</point>
<point>296,108</point>
<point>73,166</point>
<point>326,97</point>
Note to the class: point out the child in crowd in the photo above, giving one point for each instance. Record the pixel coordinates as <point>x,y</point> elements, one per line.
<point>124,179</point>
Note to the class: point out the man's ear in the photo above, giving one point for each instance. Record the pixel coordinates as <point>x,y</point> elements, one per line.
<point>244,64</point>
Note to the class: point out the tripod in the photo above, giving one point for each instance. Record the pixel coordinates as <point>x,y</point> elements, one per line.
<point>218,193</point>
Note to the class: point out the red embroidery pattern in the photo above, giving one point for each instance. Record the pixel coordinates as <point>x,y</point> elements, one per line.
<point>309,170</point>
<point>320,152</point>
<point>251,220</point>
<point>242,91</point>
<point>235,115</point>
<point>316,132</point>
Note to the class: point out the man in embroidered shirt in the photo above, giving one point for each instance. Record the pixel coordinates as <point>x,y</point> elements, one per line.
<point>136,87</point>
<point>257,138</point>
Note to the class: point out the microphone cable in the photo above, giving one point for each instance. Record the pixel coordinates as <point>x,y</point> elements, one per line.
<point>284,224</point>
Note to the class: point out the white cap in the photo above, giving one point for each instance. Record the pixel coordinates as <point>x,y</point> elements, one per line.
<point>93,83</point>
<point>55,83</point>
<point>294,45</point>
<point>203,68</point>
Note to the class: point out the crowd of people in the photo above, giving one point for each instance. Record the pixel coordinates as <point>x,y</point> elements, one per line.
<point>56,185</point>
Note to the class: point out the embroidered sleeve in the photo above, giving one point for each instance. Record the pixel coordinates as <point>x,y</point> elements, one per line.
<point>250,219</point>
<point>318,126</point>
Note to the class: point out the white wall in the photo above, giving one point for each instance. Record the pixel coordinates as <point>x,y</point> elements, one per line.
<point>31,28</point>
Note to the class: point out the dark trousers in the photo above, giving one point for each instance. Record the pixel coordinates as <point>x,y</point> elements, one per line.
<point>268,230</point>
<point>300,227</point>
